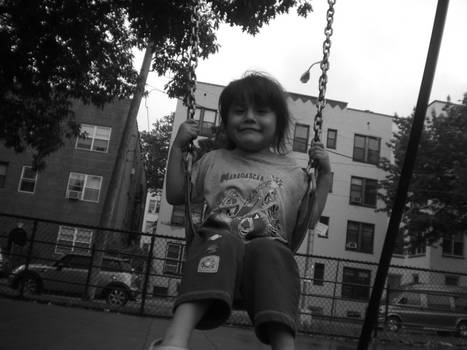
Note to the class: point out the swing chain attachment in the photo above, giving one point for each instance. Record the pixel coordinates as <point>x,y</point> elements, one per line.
<point>323,79</point>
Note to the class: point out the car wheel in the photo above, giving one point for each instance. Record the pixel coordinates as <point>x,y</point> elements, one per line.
<point>462,329</point>
<point>116,296</point>
<point>393,324</point>
<point>30,285</point>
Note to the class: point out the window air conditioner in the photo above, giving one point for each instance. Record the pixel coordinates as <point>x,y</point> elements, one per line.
<point>74,195</point>
<point>351,245</point>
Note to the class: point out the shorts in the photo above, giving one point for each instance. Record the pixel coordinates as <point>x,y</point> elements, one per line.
<point>262,273</point>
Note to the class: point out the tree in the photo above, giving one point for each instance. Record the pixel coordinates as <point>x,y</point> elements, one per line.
<point>57,50</point>
<point>52,52</point>
<point>155,147</point>
<point>437,199</point>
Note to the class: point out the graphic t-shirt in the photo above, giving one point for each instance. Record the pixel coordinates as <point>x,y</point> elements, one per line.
<point>249,194</point>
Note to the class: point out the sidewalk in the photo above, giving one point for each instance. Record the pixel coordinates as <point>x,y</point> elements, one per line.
<point>29,325</point>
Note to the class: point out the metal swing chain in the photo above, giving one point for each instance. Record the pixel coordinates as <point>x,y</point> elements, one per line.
<point>323,79</point>
<point>193,58</point>
<point>189,99</point>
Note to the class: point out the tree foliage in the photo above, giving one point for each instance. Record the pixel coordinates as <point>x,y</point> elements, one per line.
<point>155,147</point>
<point>436,204</point>
<point>56,50</point>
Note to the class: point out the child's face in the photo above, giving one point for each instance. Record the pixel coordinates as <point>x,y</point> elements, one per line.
<point>251,128</point>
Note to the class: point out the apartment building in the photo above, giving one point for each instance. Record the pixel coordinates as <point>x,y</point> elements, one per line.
<point>72,187</point>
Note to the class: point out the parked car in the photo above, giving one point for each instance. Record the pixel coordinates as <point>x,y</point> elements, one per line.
<point>426,306</point>
<point>115,282</point>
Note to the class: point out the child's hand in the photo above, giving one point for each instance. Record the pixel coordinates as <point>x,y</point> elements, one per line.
<point>187,132</point>
<point>318,153</point>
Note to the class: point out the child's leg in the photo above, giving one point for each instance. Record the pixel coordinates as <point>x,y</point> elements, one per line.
<point>210,275</point>
<point>280,337</point>
<point>271,288</point>
<point>186,317</point>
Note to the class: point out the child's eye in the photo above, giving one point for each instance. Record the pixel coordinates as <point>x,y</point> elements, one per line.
<point>238,110</point>
<point>262,111</point>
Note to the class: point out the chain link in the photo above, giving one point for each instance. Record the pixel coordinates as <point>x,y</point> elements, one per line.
<point>193,54</point>
<point>190,101</point>
<point>323,79</point>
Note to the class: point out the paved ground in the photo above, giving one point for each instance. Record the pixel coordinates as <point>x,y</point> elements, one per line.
<point>30,325</point>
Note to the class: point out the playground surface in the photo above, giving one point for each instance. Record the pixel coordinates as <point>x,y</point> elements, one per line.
<point>41,326</point>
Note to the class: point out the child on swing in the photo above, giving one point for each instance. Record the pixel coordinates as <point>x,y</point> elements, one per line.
<point>253,190</point>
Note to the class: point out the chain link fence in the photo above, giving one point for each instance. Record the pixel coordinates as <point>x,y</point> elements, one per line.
<point>67,263</point>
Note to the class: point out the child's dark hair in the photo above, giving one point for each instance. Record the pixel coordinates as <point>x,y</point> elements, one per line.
<point>259,90</point>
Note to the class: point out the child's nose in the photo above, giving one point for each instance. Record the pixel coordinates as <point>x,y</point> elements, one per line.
<point>250,114</point>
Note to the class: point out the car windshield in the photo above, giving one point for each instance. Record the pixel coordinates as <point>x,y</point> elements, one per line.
<point>126,266</point>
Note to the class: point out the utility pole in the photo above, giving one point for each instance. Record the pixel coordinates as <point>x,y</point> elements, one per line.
<point>118,173</point>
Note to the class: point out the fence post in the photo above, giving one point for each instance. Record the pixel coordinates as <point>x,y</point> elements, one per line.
<point>29,254</point>
<point>147,273</point>
<point>334,292</point>
<point>88,277</point>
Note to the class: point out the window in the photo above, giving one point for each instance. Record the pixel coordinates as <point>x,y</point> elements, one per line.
<point>363,191</point>
<point>3,170</point>
<point>460,304</point>
<point>417,246</point>
<point>116,265</point>
<point>78,262</point>
<point>354,314</point>
<point>208,120</point>
<point>94,138</point>
<point>315,310</point>
<point>356,283</point>
<point>178,214</point>
<point>331,139</point>
<point>453,245</point>
<point>300,139</point>
<point>366,149</point>
<point>84,187</point>
<point>173,259</point>
<point>153,206</point>
<point>160,291</point>
<point>438,302</point>
<point>73,240</point>
<point>318,274</point>
<point>451,280</point>
<point>415,278</point>
<point>149,226</point>
<point>27,183</point>
<point>360,237</point>
<point>410,298</point>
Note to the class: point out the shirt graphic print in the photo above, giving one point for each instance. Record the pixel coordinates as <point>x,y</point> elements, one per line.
<point>257,215</point>
<point>250,195</point>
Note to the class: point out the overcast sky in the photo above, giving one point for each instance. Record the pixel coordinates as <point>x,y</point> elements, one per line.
<point>377,59</point>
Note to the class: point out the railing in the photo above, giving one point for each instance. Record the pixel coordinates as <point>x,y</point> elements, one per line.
<point>145,281</point>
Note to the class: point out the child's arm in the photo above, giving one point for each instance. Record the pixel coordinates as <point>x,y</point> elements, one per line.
<point>323,180</point>
<point>175,179</point>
